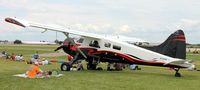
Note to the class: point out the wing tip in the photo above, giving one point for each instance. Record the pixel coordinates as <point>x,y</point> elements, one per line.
<point>16,21</point>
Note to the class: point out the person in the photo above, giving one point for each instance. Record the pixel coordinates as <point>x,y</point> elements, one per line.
<point>34,71</point>
<point>46,74</point>
<point>134,67</point>
<point>36,55</point>
<point>192,67</point>
<point>118,66</point>
<point>110,66</point>
<point>3,52</point>
<point>44,61</point>
<point>8,56</point>
<point>19,57</point>
<point>94,64</point>
<point>79,66</point>
<point>35,58</point>
<point>13,56</point>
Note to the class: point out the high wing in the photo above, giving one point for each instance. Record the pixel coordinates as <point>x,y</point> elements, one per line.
<point>24,24</point>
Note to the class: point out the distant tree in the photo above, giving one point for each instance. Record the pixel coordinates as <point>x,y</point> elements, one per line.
<point>58,42</point>
<point>17,42</point>
<point>188,44</point>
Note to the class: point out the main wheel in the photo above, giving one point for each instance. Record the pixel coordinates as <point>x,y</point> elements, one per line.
<point>91,66</point>
<point>177,75</point>
<point>65,67</point>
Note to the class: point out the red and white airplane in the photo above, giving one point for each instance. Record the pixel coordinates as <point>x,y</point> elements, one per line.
<point>93,47</point>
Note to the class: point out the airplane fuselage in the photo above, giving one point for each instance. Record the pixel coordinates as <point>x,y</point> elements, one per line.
<point>109,50</point>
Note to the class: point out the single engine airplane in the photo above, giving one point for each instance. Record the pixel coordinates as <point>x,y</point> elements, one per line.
<point>94,47</point>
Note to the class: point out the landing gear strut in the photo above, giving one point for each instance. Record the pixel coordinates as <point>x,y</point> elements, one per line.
<point>93,62</point>
<point>91,66</point>
<point>177,74</point>
<point>66,66</point>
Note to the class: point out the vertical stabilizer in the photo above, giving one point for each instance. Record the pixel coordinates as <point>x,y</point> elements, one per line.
<point>174,46</point>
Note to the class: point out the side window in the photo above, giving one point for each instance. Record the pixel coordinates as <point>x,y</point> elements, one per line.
<point>107,45</point>
<point>116,47</point>
<point>94,43</point>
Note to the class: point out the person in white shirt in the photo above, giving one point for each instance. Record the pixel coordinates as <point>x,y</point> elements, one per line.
<point>19,57</point>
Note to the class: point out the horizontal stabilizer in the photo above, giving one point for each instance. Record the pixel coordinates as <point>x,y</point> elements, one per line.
<point>180,62</point>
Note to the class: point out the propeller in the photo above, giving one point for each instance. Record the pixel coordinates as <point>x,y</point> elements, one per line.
<point>74,44</point>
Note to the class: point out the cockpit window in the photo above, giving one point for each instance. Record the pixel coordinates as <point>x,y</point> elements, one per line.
<point>80,40</point>
<point>107,45</point>
<point>116,47</point>
<point>94,43</point>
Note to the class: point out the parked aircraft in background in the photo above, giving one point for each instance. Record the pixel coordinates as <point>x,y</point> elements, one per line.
<point>34,42</point>
<point>98,48</point>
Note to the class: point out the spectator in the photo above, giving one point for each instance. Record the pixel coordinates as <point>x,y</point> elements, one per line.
<point>44,61</point>
<point>110,67</point>
<point>19,57</point>
<point>13,56</point>
<point>3,52</point>
<point>118,66</point>
<point>80,66</point>
<point>36,55</point>
<point>35,58</point>
<point>34,71</point>
<point>134,67</point>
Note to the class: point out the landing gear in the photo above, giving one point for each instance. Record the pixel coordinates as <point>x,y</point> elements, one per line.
<point>65,67</point>
<point>71,47</point>
<point>93,62</point>
<point>177,74</point>
<point>91,66</point>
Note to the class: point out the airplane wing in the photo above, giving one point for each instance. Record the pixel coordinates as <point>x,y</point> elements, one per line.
<point>25,24</point>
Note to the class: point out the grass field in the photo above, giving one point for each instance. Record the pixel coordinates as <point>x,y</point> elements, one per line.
<point>149,78</point>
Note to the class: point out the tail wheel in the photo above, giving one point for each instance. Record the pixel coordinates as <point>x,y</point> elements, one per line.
<point>65,67</point>
<point>177,74</point>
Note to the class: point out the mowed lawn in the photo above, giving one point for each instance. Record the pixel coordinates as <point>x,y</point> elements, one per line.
<point>149,78</point>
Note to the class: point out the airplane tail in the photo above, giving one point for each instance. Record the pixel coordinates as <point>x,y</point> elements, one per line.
<point>174,46</point>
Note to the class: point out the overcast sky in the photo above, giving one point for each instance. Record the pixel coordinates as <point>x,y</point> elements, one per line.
<point>151,20</point>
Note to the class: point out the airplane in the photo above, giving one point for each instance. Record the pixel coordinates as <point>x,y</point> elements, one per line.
<point>38,43</point>
<point>97,48</point>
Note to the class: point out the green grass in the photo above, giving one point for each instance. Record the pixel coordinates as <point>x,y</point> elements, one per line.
<point>27,49</point>
<point>149,78</point>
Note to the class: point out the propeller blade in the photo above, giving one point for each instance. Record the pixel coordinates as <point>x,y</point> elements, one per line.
<point>74,44</point>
